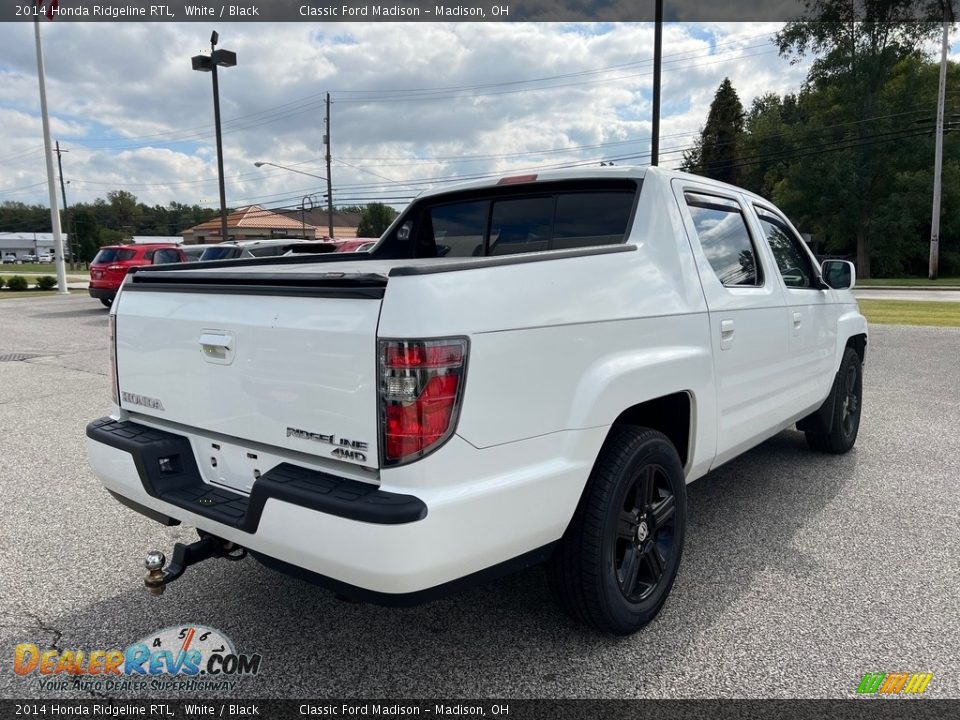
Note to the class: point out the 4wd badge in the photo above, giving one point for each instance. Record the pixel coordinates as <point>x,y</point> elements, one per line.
<point>355,450</point>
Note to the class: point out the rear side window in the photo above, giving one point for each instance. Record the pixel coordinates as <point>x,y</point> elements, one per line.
<point>519,220</point>
<point>725,239</point>
<point>109,255</point>
<point>166,256</point>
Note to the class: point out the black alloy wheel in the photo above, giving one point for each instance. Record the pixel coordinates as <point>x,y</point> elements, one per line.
<point>644,542</point>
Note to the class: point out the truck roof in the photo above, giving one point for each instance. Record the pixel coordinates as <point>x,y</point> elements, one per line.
<point>635,172</point>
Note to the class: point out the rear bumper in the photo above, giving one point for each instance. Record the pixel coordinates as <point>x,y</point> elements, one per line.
<point>425,531</point>
<point>180,483</point>
<point>102,293</point>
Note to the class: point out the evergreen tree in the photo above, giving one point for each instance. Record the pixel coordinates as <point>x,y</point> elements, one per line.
<point>714,153</point>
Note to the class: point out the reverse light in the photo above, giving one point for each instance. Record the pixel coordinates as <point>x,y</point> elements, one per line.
<point>421,391</point>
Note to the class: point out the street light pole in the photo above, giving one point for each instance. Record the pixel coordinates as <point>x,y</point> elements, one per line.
<point>657,55</point>
<point>216,120</point>
<point>203,63</point>
<point>62,288</point>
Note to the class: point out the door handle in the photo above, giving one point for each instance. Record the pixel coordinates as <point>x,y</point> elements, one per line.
<point>726,334</point>
<point>217,347</point>
<point>797,320</point>
<point>216,340</point>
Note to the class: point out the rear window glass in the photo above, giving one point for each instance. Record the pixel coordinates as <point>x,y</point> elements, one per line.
<point>560,220</point>
<point>458,229</point>
<point>220,253</point>
<point>109,255</point>
<point>268,250</point>
<point>521,226</point>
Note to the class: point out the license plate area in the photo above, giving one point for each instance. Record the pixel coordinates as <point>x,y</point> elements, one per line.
<point>232,466</point>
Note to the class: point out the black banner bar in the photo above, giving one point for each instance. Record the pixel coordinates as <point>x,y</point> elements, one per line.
<point>854,709</point>
<point>455,11</point>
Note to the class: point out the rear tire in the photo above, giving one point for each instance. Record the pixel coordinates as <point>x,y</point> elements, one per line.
<point>107,302</point>
<point>848,402</point>
<point>616,563</point>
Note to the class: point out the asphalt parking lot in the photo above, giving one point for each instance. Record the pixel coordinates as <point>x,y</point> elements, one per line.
<point>801,571</point>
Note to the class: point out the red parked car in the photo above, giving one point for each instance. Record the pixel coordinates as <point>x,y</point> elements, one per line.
<point>356,245</point>
<point>112,263</point>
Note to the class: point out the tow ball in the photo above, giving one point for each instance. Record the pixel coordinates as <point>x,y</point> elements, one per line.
<point>208,546</point>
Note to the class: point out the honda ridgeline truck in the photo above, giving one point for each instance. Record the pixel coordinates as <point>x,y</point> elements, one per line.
<point>520,371</point>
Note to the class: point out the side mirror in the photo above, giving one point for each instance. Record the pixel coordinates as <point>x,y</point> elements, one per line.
<point>839,274</point>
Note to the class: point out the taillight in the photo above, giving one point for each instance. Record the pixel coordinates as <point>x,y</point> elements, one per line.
<point>421,389</point>
<point>114,378</point>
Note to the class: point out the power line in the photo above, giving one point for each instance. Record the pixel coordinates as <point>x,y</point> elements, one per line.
<point>274,114</point>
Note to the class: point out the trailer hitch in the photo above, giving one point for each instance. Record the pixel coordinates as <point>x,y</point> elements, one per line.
<point>208,546</point>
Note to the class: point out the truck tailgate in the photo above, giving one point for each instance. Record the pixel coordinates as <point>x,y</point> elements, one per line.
<point>285,359</point>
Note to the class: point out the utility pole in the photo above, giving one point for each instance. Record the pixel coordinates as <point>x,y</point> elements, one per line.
<point>326,140</point>
<point>63,194</point>
<point>657,55</point>
<point>938,156</point>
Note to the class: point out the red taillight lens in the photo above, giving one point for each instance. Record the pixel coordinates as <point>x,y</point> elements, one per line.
<point>420,393</point>
<point>401,356</point>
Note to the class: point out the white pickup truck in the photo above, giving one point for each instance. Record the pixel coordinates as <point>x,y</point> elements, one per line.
<point>520,371</point>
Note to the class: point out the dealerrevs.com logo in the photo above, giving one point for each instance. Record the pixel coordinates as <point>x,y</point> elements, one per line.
<point>894,683</point>
<point>181,658</point>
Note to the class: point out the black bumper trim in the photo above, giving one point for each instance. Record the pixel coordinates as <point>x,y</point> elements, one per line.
<point>102,293</point>
<point>184,487</point>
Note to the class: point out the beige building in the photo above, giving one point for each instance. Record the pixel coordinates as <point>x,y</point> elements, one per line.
<point>344,224</point>
<point>255,222</point>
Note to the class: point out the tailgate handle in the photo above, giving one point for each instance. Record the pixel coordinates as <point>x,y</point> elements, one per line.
<point>217,347</point>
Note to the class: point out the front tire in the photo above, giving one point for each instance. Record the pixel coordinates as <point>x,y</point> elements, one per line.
<point>847,404</point>
<point>616,563</point>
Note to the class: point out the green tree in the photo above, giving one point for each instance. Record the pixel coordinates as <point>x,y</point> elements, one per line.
<point>124,211</point>
<point>766,146</point>
<point>858,48</point>
<point>714,153</point>
<point>375,218</point>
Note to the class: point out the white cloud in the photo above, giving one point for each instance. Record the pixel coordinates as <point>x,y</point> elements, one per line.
<point>411,101</point>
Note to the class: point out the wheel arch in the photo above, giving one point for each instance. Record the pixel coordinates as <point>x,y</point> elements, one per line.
<point>670,414</point>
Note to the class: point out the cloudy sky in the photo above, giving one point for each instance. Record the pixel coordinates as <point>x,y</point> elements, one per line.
<point>413,104</point>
